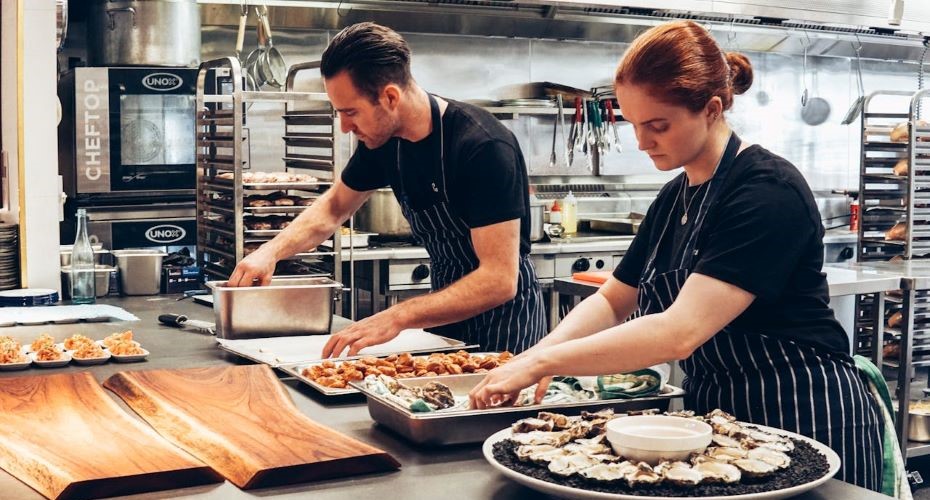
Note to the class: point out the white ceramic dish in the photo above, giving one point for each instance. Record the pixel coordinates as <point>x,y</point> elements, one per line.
<point>557,490</point>
<point>93,361</point>
<point>130,358</point>
<point>65,359</point>
<point>8,367</point>
<point>654,438</point>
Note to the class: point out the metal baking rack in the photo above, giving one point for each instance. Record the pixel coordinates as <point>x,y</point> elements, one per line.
<point>226,229</point>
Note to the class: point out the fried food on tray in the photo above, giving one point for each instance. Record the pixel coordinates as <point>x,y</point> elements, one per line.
<point>76,341</point>
<point>49,353</point>
<point>44,340</point>
<point>115,338</point>
<point>338,375</point>
<point>125,348</point>
<point>89,351</point>
<point>11,351</point>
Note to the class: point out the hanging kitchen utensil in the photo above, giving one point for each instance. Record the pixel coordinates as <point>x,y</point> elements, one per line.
<point>248,80</point>
<point>272,66</point>
<point>555,131</point>
<point>251,62</point>
<point>573,133</point>
<point>613,126</point>
<point>561,118</point>
<point>814,110</point>
<point>762,97</point>
<point>856,108</point>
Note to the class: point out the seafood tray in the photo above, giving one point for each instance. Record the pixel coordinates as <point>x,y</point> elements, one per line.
<point>448,427</point>
<point>296,371</point>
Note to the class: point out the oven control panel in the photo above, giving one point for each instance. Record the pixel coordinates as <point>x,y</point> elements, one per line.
<point>567,264</point>
<point>408,274</point>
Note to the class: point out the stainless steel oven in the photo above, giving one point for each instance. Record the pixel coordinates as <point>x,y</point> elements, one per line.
<point>127,131</point>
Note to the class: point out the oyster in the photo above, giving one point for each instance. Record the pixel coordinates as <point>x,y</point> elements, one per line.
<point>574,463</point>
<point>643,474</point>
<point>726,441</point>
<point>605,472</point>
<point>539,453</point>
<point>770,456</point>
<point>754,468</point>
<point>593,446</point>
<point>438,395</point>
<point>606,413</point>
<point>718,472</point>
<point>725,454</point>
<point>782,446</point>
<point>720,416</point>
<point>680,473</point>
<point>559,421</point>
<point>556,438</point>
<point>531,424</point>
<point>732,429</point>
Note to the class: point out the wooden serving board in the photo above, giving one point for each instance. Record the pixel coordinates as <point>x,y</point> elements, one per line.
<point>241,421</point>
<point>64,436</point>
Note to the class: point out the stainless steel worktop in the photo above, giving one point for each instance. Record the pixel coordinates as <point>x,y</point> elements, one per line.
<point>556,246</point>
<point>424,473</point>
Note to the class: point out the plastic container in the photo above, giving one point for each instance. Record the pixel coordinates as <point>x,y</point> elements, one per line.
<point>570,214</point>
<point>139,271</point>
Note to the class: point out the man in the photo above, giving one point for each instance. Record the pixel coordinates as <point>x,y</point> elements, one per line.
<point>461,181</point>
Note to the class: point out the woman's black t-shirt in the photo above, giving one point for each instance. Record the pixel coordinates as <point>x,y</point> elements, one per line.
<point>763,235</point>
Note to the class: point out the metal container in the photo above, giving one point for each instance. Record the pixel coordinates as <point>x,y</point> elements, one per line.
<point>382,214</point>
<point>918,426</point>
<point>472,426</point>
<point>139,271</point>
<point>286,307</point>
<point>101,280</point>
<point>537,224</point>
<point>620,225</point>
<point>100,257</point>
<point>144,32</point>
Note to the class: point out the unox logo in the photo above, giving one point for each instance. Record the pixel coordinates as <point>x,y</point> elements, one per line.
<point>162,82</point>
<point>165,233</point>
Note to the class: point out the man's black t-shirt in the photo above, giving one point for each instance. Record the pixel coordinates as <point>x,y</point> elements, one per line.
<point>485,174</point>
<point>763,235</point>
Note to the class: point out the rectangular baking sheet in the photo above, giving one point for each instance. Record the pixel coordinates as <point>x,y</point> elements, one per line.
<point>278,351</point>
<point>296,370</point>
<point>443,428</point>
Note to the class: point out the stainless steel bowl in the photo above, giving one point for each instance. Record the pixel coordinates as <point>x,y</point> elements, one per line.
<point>139,271</point>
<point>918,426</point>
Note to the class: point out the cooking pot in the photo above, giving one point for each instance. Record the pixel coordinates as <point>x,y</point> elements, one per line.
<point>537,226</point>
<point>382,214</point>
<point>144,33</point>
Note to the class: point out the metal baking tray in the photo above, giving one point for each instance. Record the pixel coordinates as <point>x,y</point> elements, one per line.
<point>296,370</point>
<point>472,426</point>
<point>358,240</point>
<point>620,225</point>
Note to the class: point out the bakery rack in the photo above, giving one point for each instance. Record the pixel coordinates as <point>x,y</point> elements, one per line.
<point>228,227</point>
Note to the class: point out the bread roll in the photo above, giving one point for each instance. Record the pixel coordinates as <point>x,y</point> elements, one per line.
<point>900,168</point>
<point>895,319</point>
<point>900,132</point>
<point>897,233</point>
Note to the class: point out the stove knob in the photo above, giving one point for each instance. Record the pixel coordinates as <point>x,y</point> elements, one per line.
<point>581,265</point>
<point>599,264</point>
<point>421,272</point>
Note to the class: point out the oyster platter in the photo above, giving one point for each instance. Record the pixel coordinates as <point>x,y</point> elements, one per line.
<point>573,456</point>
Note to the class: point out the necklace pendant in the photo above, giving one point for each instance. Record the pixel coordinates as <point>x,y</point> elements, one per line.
<point>684,219</point>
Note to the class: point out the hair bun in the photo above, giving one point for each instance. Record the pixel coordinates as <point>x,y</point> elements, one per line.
<point>740,72</point>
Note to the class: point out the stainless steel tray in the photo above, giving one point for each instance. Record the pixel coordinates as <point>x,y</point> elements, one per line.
<point>296,370</point>
<point>472,426</point>
<point>620,225</point>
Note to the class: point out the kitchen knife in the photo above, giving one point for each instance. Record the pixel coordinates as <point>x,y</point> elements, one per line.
<point>182,321</point>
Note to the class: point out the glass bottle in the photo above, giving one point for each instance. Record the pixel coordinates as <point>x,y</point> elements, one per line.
<point>570,213</point>
<point>83,289</point>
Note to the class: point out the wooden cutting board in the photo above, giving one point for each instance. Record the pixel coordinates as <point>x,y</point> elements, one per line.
<point>241,421</point>
<point>64,436</point>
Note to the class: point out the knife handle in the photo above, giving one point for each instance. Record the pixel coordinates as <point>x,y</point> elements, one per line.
<point>172,319</point>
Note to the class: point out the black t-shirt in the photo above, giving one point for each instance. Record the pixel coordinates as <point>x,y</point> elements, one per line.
<point>485,174</point>
<point>763,235</point>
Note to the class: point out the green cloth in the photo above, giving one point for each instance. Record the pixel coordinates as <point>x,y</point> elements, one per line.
<point>616,386</point>
<point>894,482</point>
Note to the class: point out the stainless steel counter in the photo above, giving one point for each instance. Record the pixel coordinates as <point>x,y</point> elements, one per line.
<point>424,473</point>
<point>557,246</point>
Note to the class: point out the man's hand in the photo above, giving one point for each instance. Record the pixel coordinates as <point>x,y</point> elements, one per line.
<point>370,331</point>
<point>255,269</point>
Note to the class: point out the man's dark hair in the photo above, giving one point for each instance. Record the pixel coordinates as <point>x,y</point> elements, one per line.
<point>373,56</point>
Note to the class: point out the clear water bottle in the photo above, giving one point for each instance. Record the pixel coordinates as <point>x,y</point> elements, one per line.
<point>83,290</point>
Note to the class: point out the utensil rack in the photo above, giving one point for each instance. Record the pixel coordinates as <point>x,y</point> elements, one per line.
<point>887,199</point>
<point>311,147</point>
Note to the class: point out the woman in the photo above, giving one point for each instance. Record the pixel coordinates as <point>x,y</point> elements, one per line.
<point>725,271</point>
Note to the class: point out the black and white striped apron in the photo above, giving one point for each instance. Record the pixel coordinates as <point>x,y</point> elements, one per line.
<point>515,325</point>
<point>767,380</point>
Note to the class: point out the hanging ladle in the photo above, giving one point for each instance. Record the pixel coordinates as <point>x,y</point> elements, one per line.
<point>856,108</point>
<point>814,110</point>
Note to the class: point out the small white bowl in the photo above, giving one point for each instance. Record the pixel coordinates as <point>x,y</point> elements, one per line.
<point>654,438</point>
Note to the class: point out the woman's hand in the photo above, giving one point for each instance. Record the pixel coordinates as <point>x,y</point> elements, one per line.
<point>503,384</point>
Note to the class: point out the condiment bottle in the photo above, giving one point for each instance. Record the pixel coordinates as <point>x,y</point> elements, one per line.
<point>570,214</point>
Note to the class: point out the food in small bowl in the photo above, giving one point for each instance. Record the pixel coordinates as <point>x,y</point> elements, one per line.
<point>76,341</point>
<point>116,338</point>
<point>43,341</point>
<point>49,353</point>
<point>656,438</point>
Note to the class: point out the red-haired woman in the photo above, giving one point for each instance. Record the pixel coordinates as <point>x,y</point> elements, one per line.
<point>725,270</point>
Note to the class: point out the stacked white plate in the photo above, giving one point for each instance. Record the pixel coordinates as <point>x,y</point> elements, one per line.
<point>9,256</point>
